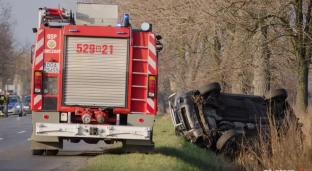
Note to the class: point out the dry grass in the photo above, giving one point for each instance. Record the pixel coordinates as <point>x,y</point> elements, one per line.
<point>171,153</point>
<point>287,152</point>
<point>306,119</point>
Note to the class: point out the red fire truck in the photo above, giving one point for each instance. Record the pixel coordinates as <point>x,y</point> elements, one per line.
<point>93,78</point>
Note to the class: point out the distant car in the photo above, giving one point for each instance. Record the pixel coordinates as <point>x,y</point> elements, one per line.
<point>24,97</point>
<point>11,92</point>
<point>15,106</point>
<point>26,105</point>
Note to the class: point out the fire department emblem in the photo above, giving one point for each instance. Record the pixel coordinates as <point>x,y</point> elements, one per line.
<point>51,44</point>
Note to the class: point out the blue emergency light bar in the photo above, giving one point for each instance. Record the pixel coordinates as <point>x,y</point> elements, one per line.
<point>126,19</point>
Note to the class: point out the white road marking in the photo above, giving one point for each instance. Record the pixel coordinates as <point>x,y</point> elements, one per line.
<point>21,132</point>
<point>1,138</point>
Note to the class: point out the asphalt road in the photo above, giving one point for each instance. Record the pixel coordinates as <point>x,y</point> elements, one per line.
<point>15,154</point>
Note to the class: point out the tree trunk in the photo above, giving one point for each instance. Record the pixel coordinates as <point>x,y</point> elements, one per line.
<point>261,81</point>
<point>237,86</point>
<point>218,61</point>
<point>303,76</point>
<point>222,82</point>
<point>4,82</point>
<point>161,103</point>
<point>238,74</point>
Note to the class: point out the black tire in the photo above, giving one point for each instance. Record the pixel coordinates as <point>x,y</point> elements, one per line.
<point>177,132</point>
<point>224,138</point>
<point>277,93</point>
<point>37,152</point>
<point>209,88</point>
<point>52,152</point>
<point>108,142</point>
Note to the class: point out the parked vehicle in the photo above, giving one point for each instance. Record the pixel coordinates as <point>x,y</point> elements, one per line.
<point>11,92</point>
<point>26,105</point>
<point>93,79</point>
<point>215,120</point>
<point>24,97</point>
<point>15,105</point>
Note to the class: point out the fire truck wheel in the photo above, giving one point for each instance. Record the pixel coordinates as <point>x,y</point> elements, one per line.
<point>52,152</point>
<point>37,152</point>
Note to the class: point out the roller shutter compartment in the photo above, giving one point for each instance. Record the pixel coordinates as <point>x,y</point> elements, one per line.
<point>95,72</point>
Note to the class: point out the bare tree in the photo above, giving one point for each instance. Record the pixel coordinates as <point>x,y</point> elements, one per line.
<point>6,43</point>
<point>290,19</point>
<point>248,46</point>
<point>294,19</point>
<point>298,23</point>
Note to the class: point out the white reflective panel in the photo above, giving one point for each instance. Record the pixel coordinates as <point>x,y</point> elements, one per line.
<point>95,71</point>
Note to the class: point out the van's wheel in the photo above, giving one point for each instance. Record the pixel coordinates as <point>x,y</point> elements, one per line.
<point>37,152</point>
<point>52,152</point>
<point>225,138</point>
<point>277,93</point>
<point>209,88</point>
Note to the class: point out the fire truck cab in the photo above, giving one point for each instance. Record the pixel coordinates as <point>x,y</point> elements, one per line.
<point>93,78</point>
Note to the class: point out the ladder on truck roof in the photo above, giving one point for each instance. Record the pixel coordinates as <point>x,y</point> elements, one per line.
<point>86,14</point>
<point>59,15</point>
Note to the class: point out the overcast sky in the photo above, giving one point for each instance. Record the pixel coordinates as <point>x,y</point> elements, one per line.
<point>26,14</point>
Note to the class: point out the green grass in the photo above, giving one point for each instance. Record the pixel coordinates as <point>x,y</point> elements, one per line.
<point>171,153</point>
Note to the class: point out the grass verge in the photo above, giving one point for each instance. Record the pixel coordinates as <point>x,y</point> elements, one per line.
<point>171,153</point>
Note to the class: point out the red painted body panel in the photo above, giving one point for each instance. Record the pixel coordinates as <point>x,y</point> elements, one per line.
<point>36,102</point>
<point>142,62</point>
<point>96,31</point>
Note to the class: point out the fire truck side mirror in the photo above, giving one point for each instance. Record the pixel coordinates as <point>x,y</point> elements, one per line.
<point>32,53</point>
<point>159,46</point>
<point>158,37</point>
